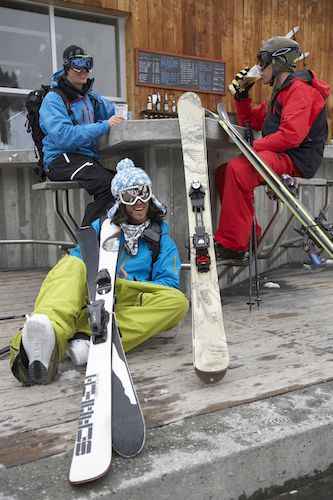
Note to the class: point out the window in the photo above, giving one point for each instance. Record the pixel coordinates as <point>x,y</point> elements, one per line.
<point>32,40</point>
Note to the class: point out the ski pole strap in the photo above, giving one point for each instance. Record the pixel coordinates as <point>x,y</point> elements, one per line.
<point>200,238</point>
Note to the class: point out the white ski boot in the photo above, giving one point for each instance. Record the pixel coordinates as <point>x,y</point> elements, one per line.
<point>78,351</point>
<point>38,339</point>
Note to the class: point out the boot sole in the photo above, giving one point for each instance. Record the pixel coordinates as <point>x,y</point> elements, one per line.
<point>38,374</point>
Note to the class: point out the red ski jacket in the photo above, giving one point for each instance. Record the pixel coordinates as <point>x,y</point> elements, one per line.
<point>294,123</point>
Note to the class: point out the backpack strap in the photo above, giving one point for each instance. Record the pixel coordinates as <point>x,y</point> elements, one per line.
<point>94,101</point>
<point>66,103</point>
<point>152,235</point>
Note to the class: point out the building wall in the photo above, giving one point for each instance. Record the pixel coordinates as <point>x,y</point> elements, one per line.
<point>228,29</point>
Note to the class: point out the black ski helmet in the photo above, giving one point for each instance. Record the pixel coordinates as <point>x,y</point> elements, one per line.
<point>280,51</point>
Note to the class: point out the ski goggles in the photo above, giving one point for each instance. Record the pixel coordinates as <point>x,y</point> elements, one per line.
<point>80,63</point>
<point>135,193</point>
<point>264,59</point>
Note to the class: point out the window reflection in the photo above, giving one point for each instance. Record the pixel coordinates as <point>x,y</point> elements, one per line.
<point>12,119</point>
<point>25,49</point>
<point>98,39</point>
<point>26,57</point>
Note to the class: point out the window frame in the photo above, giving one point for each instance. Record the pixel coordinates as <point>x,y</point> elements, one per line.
<point>120,45</point>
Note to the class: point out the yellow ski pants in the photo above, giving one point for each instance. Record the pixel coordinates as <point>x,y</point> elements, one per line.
<point>142,309</point>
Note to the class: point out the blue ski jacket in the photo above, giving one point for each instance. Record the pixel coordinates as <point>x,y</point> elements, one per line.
<point>164,271</point>
<point>61,134</point>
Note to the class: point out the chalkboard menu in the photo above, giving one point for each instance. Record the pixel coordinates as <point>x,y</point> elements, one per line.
<point>158,69</point>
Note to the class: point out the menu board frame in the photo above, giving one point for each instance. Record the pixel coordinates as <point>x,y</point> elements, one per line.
<point>150,83</point>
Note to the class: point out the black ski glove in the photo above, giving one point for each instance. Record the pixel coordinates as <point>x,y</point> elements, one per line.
<point>240,85</point>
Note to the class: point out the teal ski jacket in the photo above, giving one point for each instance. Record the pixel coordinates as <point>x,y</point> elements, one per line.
<point>164,271</point>
<point>90,112</point>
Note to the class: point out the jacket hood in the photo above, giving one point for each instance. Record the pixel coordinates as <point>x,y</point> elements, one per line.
<point>311,77</point>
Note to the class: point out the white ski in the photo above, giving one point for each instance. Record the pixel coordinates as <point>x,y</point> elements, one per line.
<point>93,447</point>
<point>210,350</point>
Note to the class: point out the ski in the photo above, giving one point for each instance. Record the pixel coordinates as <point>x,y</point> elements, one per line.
<point>210,350</point>
<point>92,453</point>
<point>313,228</point>
<point>128,425</point>
<point>120,420</point>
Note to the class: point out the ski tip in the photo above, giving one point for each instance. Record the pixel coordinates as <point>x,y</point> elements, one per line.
<point>222,112</point>
<point>130,453</point>
<point>81,479</point>
<point>210,377</point>
<point>190,96</point>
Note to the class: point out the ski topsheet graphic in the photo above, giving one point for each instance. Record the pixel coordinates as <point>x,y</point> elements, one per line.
<point>110,413</point>
<point>93,447</point>
<point>316,232</point>
<point>210,350</point>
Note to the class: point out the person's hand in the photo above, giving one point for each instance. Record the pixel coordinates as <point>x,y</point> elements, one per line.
<point>115,120</point>
<point>241,84</point>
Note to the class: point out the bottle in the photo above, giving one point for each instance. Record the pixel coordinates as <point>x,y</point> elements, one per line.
<point>158,102</point>
<point>174,106</point>
<point>154,99</point>
<point>254,74</point>
<point>166,103</point>
<point>149,106</point>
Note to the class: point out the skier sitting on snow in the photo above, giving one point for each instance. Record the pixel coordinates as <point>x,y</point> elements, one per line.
<point>70,145</point>
<point>148,299</point>
<point>294,130</point>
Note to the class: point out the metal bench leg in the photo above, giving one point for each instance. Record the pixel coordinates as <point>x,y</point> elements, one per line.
<point>70,229</point>
<point>324,208</point>
<point>270,223</point>
<point>269,251</point>
<point>67,211</point>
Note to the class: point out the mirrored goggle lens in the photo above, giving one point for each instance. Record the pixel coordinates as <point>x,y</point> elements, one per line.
<point>131,196</point>
<point>82,63</point>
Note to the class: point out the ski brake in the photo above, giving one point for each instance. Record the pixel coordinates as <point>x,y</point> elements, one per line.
<point>98,315</point>
<point>200,238</point>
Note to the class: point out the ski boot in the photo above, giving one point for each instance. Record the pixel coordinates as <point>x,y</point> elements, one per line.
<point>39,343</point>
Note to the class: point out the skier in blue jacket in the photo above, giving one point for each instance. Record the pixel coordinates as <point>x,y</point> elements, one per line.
<point>70,145</point>
<point>148,299</point>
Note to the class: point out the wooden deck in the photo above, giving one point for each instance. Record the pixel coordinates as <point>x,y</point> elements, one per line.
<point>286,345</point>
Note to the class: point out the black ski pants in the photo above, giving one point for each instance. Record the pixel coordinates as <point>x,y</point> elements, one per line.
<point>91,176</point>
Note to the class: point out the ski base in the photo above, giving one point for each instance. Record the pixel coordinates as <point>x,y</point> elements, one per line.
<point>210,377</point>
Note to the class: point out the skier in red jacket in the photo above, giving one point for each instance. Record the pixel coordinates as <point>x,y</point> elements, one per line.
<point>294,132</point>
